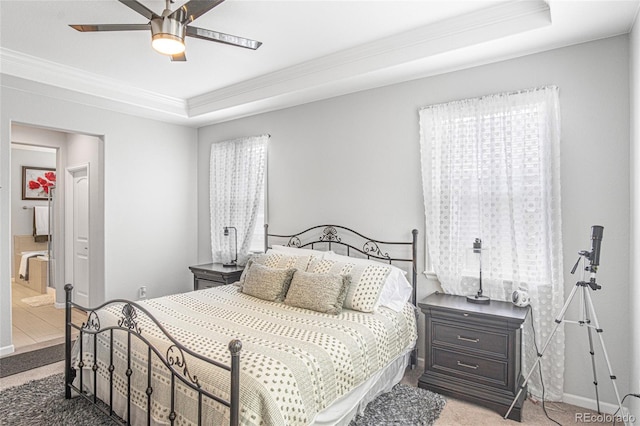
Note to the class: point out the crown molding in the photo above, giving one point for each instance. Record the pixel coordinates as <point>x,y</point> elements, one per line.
<point>362,67</point>
<point>415,45</point>
<point>50,73</point>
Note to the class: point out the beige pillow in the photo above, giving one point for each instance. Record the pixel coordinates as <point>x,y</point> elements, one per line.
<point>318,292</point>
<point>366,281</point>
<point>267,283</point>
<point>274,259</point>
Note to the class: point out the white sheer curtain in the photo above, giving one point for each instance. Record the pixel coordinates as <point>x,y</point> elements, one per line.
<point>236,185</point>
<point>490,170</point>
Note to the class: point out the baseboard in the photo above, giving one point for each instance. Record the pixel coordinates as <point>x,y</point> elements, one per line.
<point>591,404</point>
<point>60,305</point>
<point>6,350</point>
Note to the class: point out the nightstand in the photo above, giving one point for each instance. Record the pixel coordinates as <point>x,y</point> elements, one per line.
<point>214,274</point>
<point>473,351</point>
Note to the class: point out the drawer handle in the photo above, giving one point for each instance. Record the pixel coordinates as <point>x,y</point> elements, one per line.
<point>473,367</point>
<point>466,339</point>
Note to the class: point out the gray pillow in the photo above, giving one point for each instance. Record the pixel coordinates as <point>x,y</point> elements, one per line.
<point>244,273</point>
<point>267,283</point>
<point>318,292</point>
<point>276,260</point>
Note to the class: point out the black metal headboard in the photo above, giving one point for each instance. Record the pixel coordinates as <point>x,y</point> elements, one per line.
<point>325,236</point>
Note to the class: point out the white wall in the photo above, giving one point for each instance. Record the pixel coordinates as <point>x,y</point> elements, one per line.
<point>149,193</point>
<point>354,160</point>
<point>634,287</point>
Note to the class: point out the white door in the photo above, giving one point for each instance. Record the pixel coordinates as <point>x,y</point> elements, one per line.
<point>80,218</point>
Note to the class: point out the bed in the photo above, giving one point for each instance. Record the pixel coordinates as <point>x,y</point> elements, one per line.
<point>314,351</point>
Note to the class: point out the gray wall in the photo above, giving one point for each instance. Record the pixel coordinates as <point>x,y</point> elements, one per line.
<point>149,193</point>
<point>354,160</point>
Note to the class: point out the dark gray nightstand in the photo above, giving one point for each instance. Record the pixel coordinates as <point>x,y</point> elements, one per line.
<point>473,351</point>
<point>214,274</point>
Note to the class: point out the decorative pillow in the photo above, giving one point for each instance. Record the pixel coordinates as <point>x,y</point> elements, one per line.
<point>318,292</point>
<point>396,290</point>
<point>267,283</point>
<point>295,251</point>
<point>276,260</point>
<point>366,281</point>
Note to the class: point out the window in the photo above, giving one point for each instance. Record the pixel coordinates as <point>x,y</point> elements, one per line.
<point>237,196</point>
<point>490,170</point>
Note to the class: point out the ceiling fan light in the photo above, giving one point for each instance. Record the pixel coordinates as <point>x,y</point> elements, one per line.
<point>167,44</point>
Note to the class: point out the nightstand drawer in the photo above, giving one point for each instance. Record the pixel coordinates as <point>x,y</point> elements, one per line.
<point>211,276</point>
<point>494,344</point>
<point>202,284</point>
<point>477,369</point>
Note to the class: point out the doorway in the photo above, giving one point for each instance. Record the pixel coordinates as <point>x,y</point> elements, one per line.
<point>78,230</point>
<point>32,295</point>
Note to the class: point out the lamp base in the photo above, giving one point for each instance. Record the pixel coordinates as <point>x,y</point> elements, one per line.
<point>481,300</point>
<point>230,264</point>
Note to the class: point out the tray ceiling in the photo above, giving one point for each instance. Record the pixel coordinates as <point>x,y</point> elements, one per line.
<point>311,49</point>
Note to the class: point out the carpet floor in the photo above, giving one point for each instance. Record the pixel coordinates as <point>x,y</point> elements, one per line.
<point>41,402</point>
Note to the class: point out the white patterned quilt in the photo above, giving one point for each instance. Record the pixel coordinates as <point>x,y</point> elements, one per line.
<point>293,364</point>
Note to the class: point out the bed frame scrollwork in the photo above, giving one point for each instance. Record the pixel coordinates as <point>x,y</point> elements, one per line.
<point>175,360</point>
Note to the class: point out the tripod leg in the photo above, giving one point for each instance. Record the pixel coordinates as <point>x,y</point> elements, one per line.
<point>593,355</point>
<point>606,356</point>
<point>558,321</point>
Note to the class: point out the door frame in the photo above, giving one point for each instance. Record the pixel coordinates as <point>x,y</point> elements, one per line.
<point>68,223</point>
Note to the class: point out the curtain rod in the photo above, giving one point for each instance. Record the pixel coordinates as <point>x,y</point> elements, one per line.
<point>513,92</point>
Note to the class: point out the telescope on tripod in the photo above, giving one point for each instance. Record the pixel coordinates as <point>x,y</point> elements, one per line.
<point>589,318</point>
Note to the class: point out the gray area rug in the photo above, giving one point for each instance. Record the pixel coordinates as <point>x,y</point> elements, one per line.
<point>14,364</point>
<point>404,405</point>
<point>41,402</point>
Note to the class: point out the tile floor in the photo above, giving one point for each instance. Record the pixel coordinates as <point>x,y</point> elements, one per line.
<point>35,326</point>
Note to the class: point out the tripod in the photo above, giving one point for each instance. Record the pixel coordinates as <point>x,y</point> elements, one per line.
<point>588,312</point>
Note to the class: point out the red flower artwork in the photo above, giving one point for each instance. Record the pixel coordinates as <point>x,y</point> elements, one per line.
<point>38,183</point>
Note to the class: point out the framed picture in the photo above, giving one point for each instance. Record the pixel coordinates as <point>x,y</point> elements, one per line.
<point>36,182</point>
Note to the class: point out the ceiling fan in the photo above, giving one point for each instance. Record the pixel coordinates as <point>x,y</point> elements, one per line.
<point>169,29</point>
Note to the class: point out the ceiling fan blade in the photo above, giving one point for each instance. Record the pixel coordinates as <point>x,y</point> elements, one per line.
<point>192,10</point>
<point>180,57</point>
<point>111,27</point>
<point>223,38</point>
<point>140,8</point>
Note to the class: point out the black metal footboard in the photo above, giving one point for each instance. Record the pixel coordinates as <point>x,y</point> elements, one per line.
<point>174,359</point>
